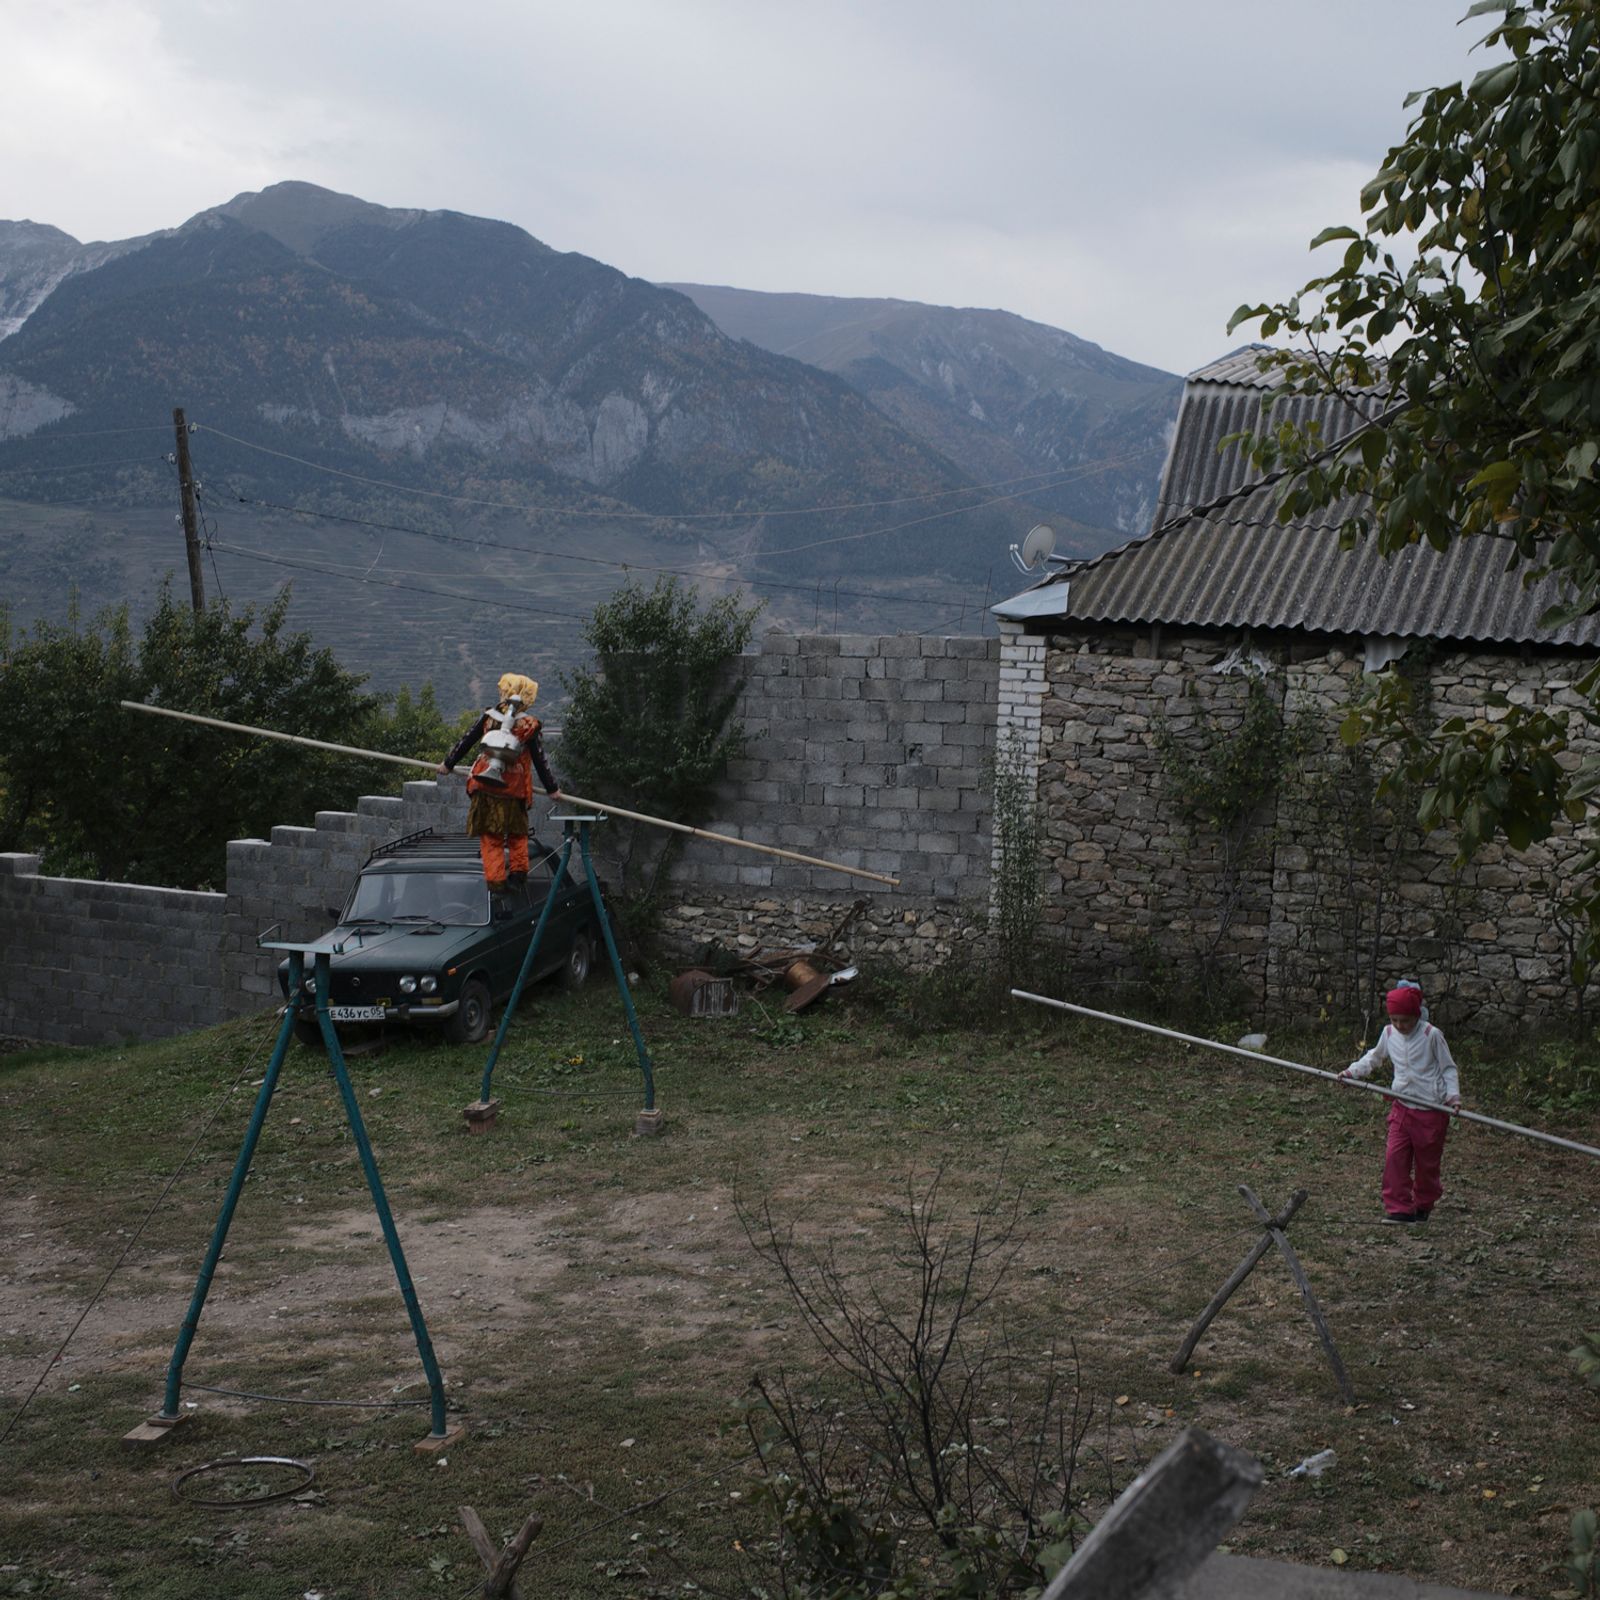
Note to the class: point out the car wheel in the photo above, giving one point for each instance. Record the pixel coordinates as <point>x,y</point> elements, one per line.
<point>470,1023</point>
<point>579,960</point>
<point>308,1033</point>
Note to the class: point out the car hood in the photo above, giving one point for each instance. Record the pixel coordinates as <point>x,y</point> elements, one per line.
<point>420,944</point>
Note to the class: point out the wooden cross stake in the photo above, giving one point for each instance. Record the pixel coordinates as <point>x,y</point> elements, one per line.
<point>1275,1236</point>
<point>502,1564</point>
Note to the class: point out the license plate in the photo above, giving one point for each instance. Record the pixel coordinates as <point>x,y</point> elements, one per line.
<point>357,1013</point>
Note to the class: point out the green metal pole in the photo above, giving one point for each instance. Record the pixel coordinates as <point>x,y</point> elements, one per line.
<point>616,967</point>
<point>241,1167</point>
<point>369,1166</point>
<point>527,965</point>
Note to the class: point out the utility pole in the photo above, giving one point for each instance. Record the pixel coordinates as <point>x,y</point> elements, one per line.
<point>191,513</point>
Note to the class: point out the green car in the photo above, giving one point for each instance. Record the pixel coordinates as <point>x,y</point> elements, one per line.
<point>421,940</point>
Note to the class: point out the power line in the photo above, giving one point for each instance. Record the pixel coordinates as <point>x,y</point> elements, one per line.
<point>87,466</point>
<point>101,433</point>
<point>650,516</point>
<point>416,588</point>
<point>1086,469</point>
<point>72,505</point>
<point>1089,470</point>
<point>571,555</point>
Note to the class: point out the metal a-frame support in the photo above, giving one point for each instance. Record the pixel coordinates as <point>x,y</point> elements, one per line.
<point>169,1416</point>
<point>481,1113</point>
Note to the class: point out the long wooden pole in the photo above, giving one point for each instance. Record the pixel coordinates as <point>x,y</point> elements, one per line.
<point>575,799</point>
<point>1316,1072</point>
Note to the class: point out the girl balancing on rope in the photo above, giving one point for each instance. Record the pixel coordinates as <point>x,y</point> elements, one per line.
<point>1425,1070</point>
<point>500,788</point>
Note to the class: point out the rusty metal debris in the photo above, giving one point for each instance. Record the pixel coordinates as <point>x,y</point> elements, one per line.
<point>805,974</point>
<point>698,993</point>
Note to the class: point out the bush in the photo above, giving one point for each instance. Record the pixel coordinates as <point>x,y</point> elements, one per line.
<point>650,726</point>
<point>943,1459</point>
<point>119,795</point>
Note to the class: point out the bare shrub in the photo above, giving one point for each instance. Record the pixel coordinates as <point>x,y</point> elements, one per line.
<point>939,1454</point>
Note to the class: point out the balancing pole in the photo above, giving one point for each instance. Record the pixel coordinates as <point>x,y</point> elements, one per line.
<point>576,799</point>
<point>1316,1072</point>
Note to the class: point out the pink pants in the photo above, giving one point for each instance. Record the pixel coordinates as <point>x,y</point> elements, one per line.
<point>1416,1140</point>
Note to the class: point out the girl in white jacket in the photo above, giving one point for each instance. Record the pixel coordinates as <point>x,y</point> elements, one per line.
<point>1423,1070</point>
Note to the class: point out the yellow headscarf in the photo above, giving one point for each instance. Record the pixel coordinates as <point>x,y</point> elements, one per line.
<point>513,683</point>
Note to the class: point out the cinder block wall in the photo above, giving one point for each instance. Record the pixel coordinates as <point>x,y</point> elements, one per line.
<point>93,963</point>
<point>290,881</point>
<point>874,752</point>
<point>866,750</point>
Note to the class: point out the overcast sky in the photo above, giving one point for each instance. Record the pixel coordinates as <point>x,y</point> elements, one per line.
<point>1130,170</point>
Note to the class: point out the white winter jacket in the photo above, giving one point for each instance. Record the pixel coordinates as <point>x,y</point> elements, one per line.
<point>1423,1066</point>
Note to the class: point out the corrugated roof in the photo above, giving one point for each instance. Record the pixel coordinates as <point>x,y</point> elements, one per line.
<point>1239,568</point>
<point>1233,565</point>
<point>1227,397</point>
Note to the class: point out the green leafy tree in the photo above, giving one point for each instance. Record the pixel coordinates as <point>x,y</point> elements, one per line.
<point>1469,302</point>
<point>650,725</point>
<point>118,795</point>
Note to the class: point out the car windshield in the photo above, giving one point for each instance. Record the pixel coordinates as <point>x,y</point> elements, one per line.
<point>461,899</point>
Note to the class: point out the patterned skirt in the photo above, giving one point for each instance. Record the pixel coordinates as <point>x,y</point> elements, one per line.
<point>498,814</point>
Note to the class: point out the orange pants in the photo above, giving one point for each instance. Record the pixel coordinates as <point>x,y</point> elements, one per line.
<point>493,848</point>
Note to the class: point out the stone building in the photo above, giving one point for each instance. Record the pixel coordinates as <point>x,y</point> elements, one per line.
<point>1221,649</point>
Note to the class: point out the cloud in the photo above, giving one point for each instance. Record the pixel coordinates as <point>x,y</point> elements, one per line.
<point>1130,173</point>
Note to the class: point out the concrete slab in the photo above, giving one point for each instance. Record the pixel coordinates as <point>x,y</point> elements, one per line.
<point>1243,1578</point>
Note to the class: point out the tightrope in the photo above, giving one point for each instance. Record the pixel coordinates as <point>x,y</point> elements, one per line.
<point>1315,1072</point>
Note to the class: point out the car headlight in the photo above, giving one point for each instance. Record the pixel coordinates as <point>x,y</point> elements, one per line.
<point>428,985</point>
<point>408,985</point>
<point>309,986</point>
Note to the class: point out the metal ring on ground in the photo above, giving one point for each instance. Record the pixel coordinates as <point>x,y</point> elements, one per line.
<point>251,1500</point>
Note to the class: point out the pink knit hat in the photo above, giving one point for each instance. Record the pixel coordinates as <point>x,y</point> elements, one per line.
<point>1404,1002</point>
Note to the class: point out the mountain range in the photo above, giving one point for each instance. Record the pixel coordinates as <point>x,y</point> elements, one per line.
<point>438,372</point>
<point>1083,431</point>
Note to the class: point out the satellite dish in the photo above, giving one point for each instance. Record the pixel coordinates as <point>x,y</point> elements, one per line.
<point>1036,550</point>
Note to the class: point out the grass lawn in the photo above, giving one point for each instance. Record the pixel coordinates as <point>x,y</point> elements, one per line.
<point>598,1311</point>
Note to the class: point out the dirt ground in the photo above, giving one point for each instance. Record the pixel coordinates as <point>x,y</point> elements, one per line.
<point>598,1310</point>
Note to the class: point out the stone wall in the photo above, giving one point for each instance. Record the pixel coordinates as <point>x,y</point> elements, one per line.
<point>1361,894</point>
<point>94,963</point>
<point>874,752</point>
<point>1335,892</point>
<point>868,751</point>
<point>1131,886</point>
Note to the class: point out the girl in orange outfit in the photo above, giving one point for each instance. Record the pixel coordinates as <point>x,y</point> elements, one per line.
<point>498,814</point>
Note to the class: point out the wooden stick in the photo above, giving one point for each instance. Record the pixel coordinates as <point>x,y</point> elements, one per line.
<point>1239,1274</point>
<point>472,1526</point>
<point>728,838</point>
<point>575,799</point>
<point>501,1581</point>
<point>1303,1283</point>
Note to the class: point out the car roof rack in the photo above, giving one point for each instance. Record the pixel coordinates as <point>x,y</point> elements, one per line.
<point>401,843</point>
<point>426,845</point>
